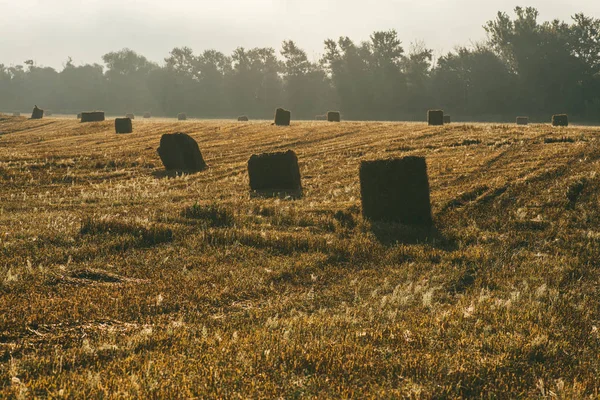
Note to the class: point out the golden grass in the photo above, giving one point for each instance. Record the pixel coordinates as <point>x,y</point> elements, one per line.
<point>117,280</point>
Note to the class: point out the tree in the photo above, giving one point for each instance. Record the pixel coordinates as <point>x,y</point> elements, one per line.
<point>463,83</point>
<point>306,86</point>
<point>127,82</point>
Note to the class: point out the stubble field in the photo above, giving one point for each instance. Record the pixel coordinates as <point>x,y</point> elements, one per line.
<point>119,280</point>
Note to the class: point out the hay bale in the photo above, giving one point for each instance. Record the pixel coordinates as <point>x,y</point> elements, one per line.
<point>180,152</point>
<point>274,172</point>
<point>243,118</point>
<point>283,117</point>
<point>37,113</point>
<point>130,116</point>
<point>435,117</point>
<point>560,120</point>
<point>396,190</point>
<point>123,125</point>
<point>321,117</point>
<point>92,116</point>
<point>181,117</point>
<point>16,114</point>
<point>522,120</point>
<point>447,119</point>
<point>333,116</point>
<point>147,115</point>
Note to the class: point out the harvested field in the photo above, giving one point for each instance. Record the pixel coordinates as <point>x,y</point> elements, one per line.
<point>118,279</point>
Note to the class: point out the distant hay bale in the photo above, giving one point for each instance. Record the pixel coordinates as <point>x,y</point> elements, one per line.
<point>123,125</point>
<point>283,117</point>
<point>130,116</point>
<point>180,152</point>
<point>522,120</point>
<point>37,113</point>
<point>435,117</point>
<point>321,117</point>
<point>274,172</point>
<point>147,115</point>
<point>334,116</point>
<point>560,120</point>
<point>16,114</point>
<point>92,116</point>
<point>396,190</point>
<point>243,118</point>
<point>181,117</point>
<point>447,119</point>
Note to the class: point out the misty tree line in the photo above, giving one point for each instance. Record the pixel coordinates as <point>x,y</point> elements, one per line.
<point>525,67</point>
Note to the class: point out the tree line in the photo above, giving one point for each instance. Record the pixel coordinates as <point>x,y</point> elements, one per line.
<point>525,67</point>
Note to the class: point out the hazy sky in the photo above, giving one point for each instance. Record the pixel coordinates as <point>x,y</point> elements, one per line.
<point>49,31</point>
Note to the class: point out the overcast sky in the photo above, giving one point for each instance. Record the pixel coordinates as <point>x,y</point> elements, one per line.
<point>50,31</point>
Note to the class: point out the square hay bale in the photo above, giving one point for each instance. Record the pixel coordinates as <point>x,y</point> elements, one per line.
<point>243,118</point>
<point>283,117</point>
<point>274,172</point>
<point>147,115</point>
<point>180,152</point>
<point>334,116</point>
<point>181,117</point>
<point>522,120</point>
<point>560,120</point>
<point>123,125</point>
<point>130,116</point>
<point>447,119</point>
<point>92,116</point>
<point>37,113</point>
<point>435,117</point>
<point>396,190</point>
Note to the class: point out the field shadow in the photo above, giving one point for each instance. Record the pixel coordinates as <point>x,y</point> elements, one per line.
<point>390,234</point>
<point>278,194</point>
<point>166,174</point>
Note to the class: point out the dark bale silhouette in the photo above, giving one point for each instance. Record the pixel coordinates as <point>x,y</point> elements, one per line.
<point>447,119</point>
<point>92,116</point>
<point>435,117</point>
<point>147,115</point>
<point>560,120</point>
<point>396,190</point>
<point>274,172</point>
<point>180,152</point>
<point>37,113</point>
<point>283,117</point>
<point>181,117</point>
<point>123,125</point>
<point>130,116</point>
<point>522,120</point>
<point>334,116</point>
<point>243,118</point>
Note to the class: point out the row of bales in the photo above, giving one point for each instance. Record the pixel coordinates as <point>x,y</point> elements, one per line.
<point>283,117</point>
<point>437,117</point>
<point>124,125</point>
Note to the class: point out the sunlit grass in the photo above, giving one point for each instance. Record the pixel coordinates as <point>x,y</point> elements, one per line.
<point>118,280</point>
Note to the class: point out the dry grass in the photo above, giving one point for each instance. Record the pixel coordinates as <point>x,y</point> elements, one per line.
<point>117,280</point>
